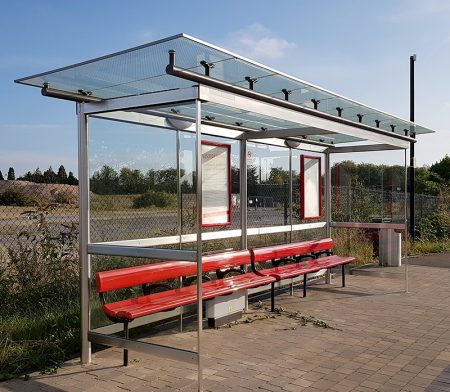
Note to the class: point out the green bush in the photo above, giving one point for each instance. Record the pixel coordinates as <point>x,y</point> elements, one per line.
<point>17,197</point>
<point>155,199</point>
<point>65,197</point>
<point>39,287</point>
<point>435,227</point>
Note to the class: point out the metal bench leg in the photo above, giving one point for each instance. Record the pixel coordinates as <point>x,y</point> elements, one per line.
<point>304,285</point>
<point>292,289</point>
<point>272,297</point>
<point>343,275</point>
<point>126,334</point>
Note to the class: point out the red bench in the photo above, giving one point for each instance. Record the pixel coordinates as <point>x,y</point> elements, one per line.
<point>127,310</point>
<point>231,277</point>
<point>293,254</point>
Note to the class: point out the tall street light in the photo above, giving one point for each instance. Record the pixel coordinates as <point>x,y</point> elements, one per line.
<point>412,158</point>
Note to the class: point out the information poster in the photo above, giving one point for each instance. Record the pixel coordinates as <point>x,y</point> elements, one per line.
<point>311,187</point>
<point>216,184</point>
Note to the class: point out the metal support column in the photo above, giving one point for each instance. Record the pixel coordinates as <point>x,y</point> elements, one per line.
<point>84,235</point>
<point>290,193</point>
<point>406,225</point>
<point>243,202</point>
<point>291,286</point>
<point>328,204</point>
<point>179,217</point>
<point>198,151</point>
<point>412,158</point>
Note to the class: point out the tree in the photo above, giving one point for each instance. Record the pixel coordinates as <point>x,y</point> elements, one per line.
<point>61,176</point>
<point>71,179</point>
<point>278,176</point>
<point>442,168</point>
<point>131,181</point>
<point>49,176</point>
<point>37,176</point>
<point>11,174</point>
<point>166,180</point>
<point>1,176</point>
<point>105,181</point>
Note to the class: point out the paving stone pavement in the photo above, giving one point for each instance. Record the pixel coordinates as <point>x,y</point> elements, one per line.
<point>382,339</point>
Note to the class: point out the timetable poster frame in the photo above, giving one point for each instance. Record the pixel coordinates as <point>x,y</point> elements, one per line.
<point>216,184</point>
<point>311,187</point>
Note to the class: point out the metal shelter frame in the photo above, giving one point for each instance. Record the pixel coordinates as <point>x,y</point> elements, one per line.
<point>146,109</point>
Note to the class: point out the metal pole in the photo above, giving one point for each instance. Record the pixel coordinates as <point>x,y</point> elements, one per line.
<point>84,235</point>
<point>290,193</point>
<point>382,195</point>
<point>291,286</point>
<point>243,203</point>
<point>412,158</point>
<point>180,227</point>
<point>198,151</point>
<point>328,204</point>
<point>406,225</point>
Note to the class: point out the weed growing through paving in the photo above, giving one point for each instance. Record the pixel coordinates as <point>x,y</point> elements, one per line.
<point>301,320</point>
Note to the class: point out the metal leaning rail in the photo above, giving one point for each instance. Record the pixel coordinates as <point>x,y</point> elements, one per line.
<point>231,276</point>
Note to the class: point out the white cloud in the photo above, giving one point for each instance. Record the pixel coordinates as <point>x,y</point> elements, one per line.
<point>259,43</point>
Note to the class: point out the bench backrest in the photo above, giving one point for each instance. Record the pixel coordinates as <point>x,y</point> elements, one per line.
<point>259,255</point>
<point>225,260</point>
<point>134,276</point>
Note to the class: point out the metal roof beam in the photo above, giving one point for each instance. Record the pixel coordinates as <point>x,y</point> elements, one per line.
<point>289,132</point>
<point>364,148</point>
<point>286,110</point>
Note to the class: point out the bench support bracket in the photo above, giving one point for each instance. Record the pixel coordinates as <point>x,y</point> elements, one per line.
<point>272,297</point>
<point>304,285</point>
<point>126,335</point>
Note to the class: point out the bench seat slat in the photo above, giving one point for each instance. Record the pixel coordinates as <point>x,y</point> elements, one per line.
<point>130,309</point>
<point>307,267</point>
<point>289,250</point>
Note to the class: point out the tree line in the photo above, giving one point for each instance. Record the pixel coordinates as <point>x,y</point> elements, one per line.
<point>432,180</point>
<point>108,181</point>
<point>47,177</point>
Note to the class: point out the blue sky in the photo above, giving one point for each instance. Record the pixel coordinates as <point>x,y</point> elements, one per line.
<point>359,49</point>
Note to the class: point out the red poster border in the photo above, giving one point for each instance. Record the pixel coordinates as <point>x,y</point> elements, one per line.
<point>302,186</point>
<point>230,219</point>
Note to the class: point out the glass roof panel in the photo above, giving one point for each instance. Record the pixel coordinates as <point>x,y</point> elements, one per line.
<point>142,70</point>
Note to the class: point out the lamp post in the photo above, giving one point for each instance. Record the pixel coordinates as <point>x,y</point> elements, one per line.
<point>412,158</point>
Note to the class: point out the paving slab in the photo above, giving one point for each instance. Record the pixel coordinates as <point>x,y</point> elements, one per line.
<point>368,336</point>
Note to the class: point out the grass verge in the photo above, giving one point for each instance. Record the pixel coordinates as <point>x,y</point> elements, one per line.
<point>38,341</point>
<point>419,248</point>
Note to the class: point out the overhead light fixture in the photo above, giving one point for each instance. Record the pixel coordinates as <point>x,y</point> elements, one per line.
<point>292,143</point>
<point>178,124</point>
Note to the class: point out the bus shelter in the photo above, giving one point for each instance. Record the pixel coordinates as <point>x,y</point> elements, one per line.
<point>186,148</point>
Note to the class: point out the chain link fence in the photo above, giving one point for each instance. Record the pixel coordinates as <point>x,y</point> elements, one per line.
<point>25,207</point>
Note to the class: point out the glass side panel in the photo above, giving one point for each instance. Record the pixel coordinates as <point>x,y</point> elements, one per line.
<point>133,181</point>
<point>368,188</point>
<point>267,185</point>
